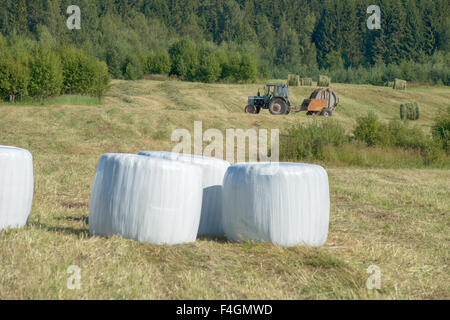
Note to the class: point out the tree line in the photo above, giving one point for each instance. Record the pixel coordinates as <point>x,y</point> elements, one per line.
<point>240,40</point>
<point>202,62</point>
<point>32,69</point>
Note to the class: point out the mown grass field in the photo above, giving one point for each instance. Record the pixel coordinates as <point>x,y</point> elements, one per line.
<point>397,219</point>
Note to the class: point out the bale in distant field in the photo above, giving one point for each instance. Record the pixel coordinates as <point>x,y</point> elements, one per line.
<point>306,82</point>
<point>283,203</point>
<point>147,199</point>
<point>16,186</point>
<point>324,81</point>
<point>399,84</point>
<point>293,80</point>
<point>213,173</point>
<point>409,111</point>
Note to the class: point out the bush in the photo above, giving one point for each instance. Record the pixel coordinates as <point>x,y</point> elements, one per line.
<point>310,141</point>
<point>45,73</point>
<point>399,135</point>
<point>247,69</point>
<point>14,77</point>
<point>370,130</point>
<point>183,55</point>
<point>83,74</point>
<point>132,68</point>
<point>101,79</point>
<point>403,136</point>
<point>441,129</point>
<point>230,67</point>
<point>209,68</point>
<point>115,61</point>
<point>158,63</point>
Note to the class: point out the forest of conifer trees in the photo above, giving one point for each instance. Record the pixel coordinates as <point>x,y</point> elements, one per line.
<point>241,40</point>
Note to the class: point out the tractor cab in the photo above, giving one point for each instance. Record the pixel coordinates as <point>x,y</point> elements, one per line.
<point>275,98</point>
<point>276,90</point>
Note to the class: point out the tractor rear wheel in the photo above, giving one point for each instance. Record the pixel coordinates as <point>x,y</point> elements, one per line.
<point>288,110</point>
<point>326,112</point>
<point>277,107</point>
<point>251,109</point>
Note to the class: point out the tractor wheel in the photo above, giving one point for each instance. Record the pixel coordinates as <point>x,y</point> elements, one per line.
<point>251,109</point>
<point>309,113</point>
<point>288,110</point>
<point>326,112</point>
<point>277,107</point>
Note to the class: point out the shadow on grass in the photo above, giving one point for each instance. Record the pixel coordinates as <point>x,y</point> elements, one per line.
<point>79,233</point>
<point>215,239</point>
<point>74,218</point>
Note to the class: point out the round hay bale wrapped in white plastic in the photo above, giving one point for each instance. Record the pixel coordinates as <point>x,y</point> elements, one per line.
<point>213,173</point>
<point>16,186</point>
<point>283,203</point>
<point>146,199</point>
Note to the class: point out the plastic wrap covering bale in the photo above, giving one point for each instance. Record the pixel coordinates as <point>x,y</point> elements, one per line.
<point>16,186</point>
<point>286,204</point>
<point>146,199</point>
<point>213,173</point>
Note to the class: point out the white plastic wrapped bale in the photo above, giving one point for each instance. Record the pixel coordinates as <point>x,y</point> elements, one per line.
<point>213,173</point>
<point>283,203</point>
<point>16,186</point>
<point>146,199</point>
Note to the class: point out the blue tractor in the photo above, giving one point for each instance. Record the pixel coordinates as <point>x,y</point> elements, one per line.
<point>275,98</point>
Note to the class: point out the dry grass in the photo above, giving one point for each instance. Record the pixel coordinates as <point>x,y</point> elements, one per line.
<point>396,219</point>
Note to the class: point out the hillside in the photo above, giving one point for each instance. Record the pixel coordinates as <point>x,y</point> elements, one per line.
<point>280,37</point>
<point>396,219</point>
<point>142,114</point>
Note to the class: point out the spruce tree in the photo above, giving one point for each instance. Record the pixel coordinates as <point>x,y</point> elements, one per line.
<point>325,35</point>
<point>429,16</point>
<point>351,46</point>
<point>18,17</point>
<point>413,34</point>
<point>388,46</point>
